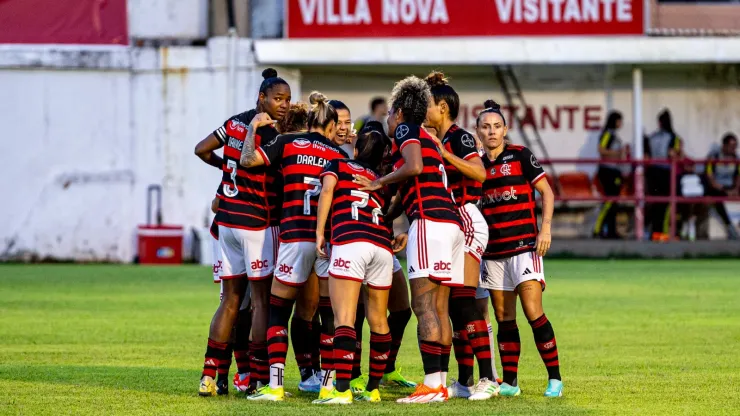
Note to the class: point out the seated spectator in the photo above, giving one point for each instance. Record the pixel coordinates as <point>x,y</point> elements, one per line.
<point>721,174</point>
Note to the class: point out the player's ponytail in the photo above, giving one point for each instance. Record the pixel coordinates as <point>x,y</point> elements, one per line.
<point>442,91</point>
<point>322,113</point>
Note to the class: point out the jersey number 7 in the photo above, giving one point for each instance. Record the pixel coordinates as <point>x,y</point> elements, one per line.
<point>362,203</point>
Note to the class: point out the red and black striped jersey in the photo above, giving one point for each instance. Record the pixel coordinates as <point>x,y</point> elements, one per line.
<point>424,196</point>
<point>301,158</point>
<point>248,197</point>
<point>508,202</point>
<point>462,144</point>
<point>356,216</point>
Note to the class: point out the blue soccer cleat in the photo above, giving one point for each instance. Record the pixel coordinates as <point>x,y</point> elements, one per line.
<point>554,388</point>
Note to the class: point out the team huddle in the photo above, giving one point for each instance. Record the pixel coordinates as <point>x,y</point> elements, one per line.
<point>304,247</point>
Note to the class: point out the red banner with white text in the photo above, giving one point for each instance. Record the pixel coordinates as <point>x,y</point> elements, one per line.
<point>64,22</point>
<point>433,18</point>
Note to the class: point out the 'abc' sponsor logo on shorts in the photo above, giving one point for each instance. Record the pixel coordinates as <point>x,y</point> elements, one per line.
<point>284,268</point>
<point>260,264</point>
<point>341,263</point>
<point>442,266</point>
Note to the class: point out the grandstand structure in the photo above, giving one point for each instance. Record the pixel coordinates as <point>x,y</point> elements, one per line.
<point>116,107</point>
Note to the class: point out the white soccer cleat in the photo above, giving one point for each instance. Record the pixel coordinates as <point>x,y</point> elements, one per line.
<point>312,384</point>
<point>484,390</point>
<point>458,390</point>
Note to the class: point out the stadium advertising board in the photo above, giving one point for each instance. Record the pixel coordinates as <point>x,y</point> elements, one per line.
<point>426,18</point>
<point>68,22</point>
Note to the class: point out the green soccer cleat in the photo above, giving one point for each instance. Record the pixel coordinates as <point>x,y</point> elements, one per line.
<point>554,388</point>
<point>335,397</point>
<point>369,396</point>
<point>395,378</point>
<point>358,384</point>
<point>507,390</point>
<point>269,394</point>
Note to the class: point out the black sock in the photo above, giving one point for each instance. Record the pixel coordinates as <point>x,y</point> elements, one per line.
<point>300,334</point>
<point>277,329</point>
<point>463,350</point>
<point>380,345</point>
<point>544,337</point>
<point>359,323</point>
<point>315,343</point>
<point>509,348</point>
<point>431,353</point>
<point>476,329</point>
<point>224,365</point>
<point>397,322</point>
<point>343,356</point>
<point>327,334</point>
<point>241,341</point>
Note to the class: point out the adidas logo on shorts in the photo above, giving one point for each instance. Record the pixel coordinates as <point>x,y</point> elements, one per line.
<point>526,272</point>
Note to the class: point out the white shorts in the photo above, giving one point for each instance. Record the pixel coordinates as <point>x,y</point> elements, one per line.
<point>507,274</point>
<point>475,229</point>
<point>247,253</point>
<point>362,262</point>
<point>435,250</point>
<point>295,262</point>
<point>321,266</point>
<point>217,263</point>
<point>396,265</point>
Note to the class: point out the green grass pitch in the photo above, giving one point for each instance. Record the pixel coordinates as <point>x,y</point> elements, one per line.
<point>635,337</point>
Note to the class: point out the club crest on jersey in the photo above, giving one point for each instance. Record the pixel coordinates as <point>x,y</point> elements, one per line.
<point>301,143</point>
<point>533,160</point>
<point>467,140</point>
<point>506,169</point>
<point>355,167</point>
<point>402,131</point>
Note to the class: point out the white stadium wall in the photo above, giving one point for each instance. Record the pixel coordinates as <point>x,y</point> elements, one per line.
<point>87,132</point>
<point>569,103</point>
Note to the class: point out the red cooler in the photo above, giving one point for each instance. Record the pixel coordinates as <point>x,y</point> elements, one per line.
<point>158,243</point>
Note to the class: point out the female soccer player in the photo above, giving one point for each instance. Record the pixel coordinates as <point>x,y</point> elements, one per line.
<point>465,174</point>
<point>247,234</point>
<point>435,238</point>
<point>512,261</point>
<point>360,254</point>
<point>609,174</point>
<point>301,158</point>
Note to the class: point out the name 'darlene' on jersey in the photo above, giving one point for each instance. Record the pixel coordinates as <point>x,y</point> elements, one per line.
<point>311,160</point>
<point>236,143</point>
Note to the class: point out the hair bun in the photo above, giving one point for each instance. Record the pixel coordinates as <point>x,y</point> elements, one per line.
<point>317,98</point>
<point>436,79</point>
<point>269,73</point>
<point>492,104</point>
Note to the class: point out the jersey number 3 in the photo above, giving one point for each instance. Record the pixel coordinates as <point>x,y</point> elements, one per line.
<point>228,190</point>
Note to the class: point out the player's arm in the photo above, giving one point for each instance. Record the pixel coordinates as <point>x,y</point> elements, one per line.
<point>328,182</point>
<point>710,175</point>
<point>412,166</point>
<point>205,150</point>
<point>395,209</point>
<point>544,238</point>
<point>604,143</point>
<point>676,150</point>
<point>468,162</point>
<point>251,157</point>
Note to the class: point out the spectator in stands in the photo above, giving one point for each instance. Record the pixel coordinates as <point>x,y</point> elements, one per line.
<point>378,112</point>
<point>722,174</point>
<point>663,144</point>
<point>610,175</point>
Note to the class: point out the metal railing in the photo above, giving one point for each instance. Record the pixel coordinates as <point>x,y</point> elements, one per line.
<point>639,197</point>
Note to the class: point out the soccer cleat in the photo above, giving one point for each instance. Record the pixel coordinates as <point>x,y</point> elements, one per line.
<point>325,392</point>
<point>241,382</point>
<point>554,388</point>
<point>458,390</point>
<point>425,394</point>
<point>222,387</point>
<point>311,385</point>
<point>358,384</point>
<point>395,378</point>
<point>207,387</point>
<point>335,397</point>
<point>484,390</point>
<point>369,396</point>
<point>267,393</point>
<point>507,390</point>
